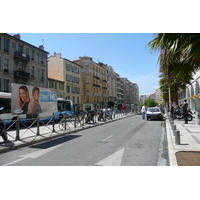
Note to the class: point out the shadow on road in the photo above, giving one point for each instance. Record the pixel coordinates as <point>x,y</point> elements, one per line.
<point>52,143</point>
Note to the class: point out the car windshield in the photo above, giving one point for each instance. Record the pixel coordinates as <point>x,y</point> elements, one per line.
<point>154,110</point>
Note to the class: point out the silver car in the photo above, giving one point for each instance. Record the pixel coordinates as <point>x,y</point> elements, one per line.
<point>154,113</point>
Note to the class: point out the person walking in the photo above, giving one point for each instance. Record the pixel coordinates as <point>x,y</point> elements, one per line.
<point>143,111</point>
<point>185,111</point>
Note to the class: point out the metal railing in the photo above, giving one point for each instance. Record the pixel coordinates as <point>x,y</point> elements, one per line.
<point>66,123</point>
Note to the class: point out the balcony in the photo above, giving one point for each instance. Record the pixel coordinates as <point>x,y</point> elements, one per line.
<point>95,85</point>
<point>22,56</point>
<point>21,74</point>
<point>96,77</point>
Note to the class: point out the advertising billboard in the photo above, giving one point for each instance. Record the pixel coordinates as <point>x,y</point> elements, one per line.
<point>31,100</point>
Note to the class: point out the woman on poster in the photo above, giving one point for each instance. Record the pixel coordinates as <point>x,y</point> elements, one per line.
<point>24,99</point>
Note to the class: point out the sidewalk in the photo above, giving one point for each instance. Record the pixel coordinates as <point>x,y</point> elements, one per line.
<point>30,136</point>
<point>187,153</point>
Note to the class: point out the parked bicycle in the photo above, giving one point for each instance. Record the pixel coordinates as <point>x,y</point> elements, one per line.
<point>3,131</point>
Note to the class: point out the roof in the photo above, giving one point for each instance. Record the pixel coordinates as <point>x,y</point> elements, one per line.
<point>25,42</point>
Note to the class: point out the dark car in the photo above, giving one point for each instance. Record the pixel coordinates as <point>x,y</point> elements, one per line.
<point>154,113</point>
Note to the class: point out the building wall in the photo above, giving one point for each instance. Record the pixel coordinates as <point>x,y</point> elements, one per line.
<point>94,85</point>
<point>69,72</point>
<point>19,65</point>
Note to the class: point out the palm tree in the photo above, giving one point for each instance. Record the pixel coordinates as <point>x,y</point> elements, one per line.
<point>179,57</point>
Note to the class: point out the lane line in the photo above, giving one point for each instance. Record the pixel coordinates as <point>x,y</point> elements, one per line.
<point>106,138</point>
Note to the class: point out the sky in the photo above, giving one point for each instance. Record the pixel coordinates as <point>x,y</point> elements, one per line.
<point>127,53</point>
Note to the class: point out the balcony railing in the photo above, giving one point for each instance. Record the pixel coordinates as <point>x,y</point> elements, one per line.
<point>22,56</point>
<point>95,85</point>
<point>21,74</point>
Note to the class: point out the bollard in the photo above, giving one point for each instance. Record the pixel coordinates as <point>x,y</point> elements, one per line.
<point>177,137</point>
<point>174,129</point>
<point>172,124</point>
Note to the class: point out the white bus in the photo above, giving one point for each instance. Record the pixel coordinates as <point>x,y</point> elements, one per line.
<point>63,105</point>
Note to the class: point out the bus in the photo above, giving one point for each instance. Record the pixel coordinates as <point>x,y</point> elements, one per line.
<point>64,106</point>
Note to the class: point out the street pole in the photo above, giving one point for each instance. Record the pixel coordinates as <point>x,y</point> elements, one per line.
<point>170,103</point>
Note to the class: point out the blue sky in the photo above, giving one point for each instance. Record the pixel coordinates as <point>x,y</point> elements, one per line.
<point>127,53</point>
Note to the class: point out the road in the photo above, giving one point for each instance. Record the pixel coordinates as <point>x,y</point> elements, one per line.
<point>127,142</point>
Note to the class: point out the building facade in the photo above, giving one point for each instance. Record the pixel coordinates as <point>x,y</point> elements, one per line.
<point>112,95</point>
<point>22,63</point>
<point>64,70</point>
<point>94,84</point>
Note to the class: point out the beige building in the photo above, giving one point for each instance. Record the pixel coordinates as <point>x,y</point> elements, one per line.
<point>58,86</point>
<point>21,62</point>
<point>94,83</point>
<point>64,70</point>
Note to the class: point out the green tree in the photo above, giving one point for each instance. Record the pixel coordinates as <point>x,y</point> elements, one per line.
<point>111,104</point>
<point>150,103</point>
<point>178,58</point>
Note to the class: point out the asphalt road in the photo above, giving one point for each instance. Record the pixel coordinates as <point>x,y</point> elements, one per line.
<point>127,142</point>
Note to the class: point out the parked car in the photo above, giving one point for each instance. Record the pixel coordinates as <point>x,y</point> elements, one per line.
<point>154,113</point>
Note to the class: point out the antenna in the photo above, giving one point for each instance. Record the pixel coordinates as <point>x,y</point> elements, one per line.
<point>42,40</point>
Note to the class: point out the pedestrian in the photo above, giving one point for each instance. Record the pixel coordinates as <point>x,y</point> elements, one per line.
<point>185,111</point>
<point>143,111</point>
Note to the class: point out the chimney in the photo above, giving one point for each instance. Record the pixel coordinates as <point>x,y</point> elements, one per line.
<point>17,36</point>
<point>41,47</point>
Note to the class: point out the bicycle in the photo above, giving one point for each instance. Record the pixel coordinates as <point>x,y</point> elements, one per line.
<point>65,122</point>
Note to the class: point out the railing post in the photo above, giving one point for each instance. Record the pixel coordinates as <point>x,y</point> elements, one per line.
<point>53,123</point>
<point>17,128</point>
<point>38,125</point>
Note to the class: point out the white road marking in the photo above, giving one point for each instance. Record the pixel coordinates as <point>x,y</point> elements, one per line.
<point>106,138</point>
<point>33,155</point>
<point>114,159</point>
<point>132,124</point>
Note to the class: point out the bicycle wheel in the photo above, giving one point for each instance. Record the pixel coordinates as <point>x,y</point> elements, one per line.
<point>4,136</point>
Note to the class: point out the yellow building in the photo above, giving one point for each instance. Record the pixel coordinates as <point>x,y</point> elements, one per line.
<point>66,71</point>
<point>94,84</point>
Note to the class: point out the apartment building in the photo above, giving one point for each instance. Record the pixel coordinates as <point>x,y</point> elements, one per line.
<point>58,86</point>
<point>22,63</point>
<point>119,89</point>
<point>112,95</point>
<point>94,83</point>
<point>64,70</point>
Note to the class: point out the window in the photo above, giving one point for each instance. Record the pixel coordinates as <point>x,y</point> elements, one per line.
<point>6,65</point>
<point>41,58</point>
<point>32,71</point>
<point>61,86</point>
<point>21,66</point>
<point>0,63</point>
<point>6,85</point>
<point>20,48</point>
<point>32,54</point>
<point>0,42</point>
<point>42,74</point>
<point>68,89</point>
<point>6,45</point>
<point>50,84</point>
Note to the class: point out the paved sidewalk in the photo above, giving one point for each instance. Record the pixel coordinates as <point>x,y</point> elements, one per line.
<point>30,136</point>
<point>189,140</point>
